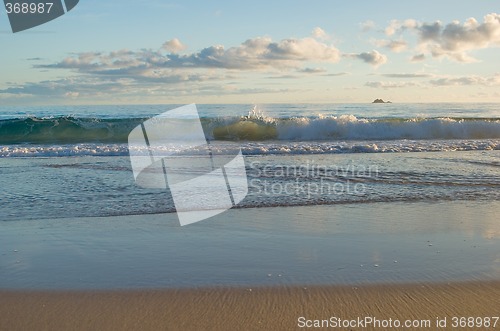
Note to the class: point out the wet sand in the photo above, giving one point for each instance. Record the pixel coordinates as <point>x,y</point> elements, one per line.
<point>259,269</point>
<point>314,245</point>
<point>272,308</point>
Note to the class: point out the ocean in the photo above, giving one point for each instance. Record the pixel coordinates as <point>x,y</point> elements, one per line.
<point>59,161</point>
<point>383,182</point>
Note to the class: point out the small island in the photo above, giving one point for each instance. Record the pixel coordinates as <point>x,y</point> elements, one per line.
<point>380,101</point>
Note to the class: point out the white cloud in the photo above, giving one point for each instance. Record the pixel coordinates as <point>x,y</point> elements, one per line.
<point>319,33</point>
<point>174,46</point>
<point>306,49</point>
<point>146,72</point>
<point>257,53</point>
<point>453,40</point>
<point>393,26</point>
<point>398,26</point>
<point>374,57</point>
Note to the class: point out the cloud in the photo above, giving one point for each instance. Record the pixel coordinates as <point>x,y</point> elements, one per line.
<point>467,80</point>
<point>389,85</point>
<point>319,33</point>
<point>367,25</point>
<point>257,53</point>
<point>374,57</point>
<point>284,77</point>
<point>312,70</point>
<point>88,85</point>
<point>393,26</point>
<point>336,74</point>
<point>174,46</point>
<point>306,49</point>
<point>399,26</point>
<point>72,94</point>
<point>65,87</point>
<point>472,80</point>
<point>394,45</point>
<point>403,75</point>
<point>453,40</point>
<point>140,73</point>
<point>418,58</point>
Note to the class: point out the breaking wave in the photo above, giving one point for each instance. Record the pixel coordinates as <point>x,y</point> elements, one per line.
<point>70,130</point>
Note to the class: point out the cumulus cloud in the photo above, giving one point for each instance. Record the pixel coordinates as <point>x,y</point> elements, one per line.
<point>399,26</point>
<point>374,57</point>
<point>174,46</point>
<point>125,72</point>
<point>146,72</point>
<point>453,40</point>
<point>306,49</point>
<point>256,53</point>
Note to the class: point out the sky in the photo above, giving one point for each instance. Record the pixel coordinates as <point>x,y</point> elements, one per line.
<point>160,52</point>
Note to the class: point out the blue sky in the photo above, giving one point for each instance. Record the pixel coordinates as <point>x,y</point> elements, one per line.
<point>141,52</point>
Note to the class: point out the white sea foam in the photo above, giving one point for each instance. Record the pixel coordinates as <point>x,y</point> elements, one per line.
<point>264,148</point>
<point>349,127</point>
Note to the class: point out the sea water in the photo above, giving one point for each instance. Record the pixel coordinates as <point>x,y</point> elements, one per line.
<point>337,194</point>
<point>74,161</point>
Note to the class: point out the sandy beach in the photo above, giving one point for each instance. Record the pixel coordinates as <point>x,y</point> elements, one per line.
<point>274,308</point>
<point>263,165</point>
<point>273,268</point>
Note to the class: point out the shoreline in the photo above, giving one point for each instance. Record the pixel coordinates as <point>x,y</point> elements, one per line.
<point>323,245</point>
<point>256,308</point>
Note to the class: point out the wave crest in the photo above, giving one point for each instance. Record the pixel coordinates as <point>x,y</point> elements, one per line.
<point>349,127</point>
<point>63,130</point>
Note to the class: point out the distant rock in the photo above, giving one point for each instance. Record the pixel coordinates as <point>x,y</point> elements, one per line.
<point>380,101</point>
